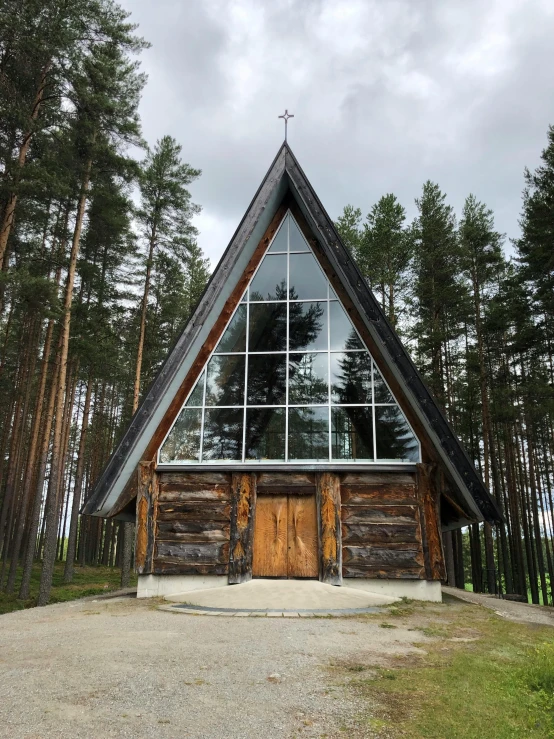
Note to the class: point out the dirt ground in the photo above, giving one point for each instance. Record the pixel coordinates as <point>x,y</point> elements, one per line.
<point>126,669</point>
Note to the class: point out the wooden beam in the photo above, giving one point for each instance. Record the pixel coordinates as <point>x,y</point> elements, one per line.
<point>243,507</point>
<point>329,528</point>
<point>147,506</point>
<point>430,523</point>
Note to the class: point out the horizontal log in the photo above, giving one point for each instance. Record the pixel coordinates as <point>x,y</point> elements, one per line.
<point>166,528</point>
<point>379,514</point>
<point>202,479</point>
<point>194,511</point>
<point>406,557</point>
<point>377,478</point>
<point>285,479</point>
<point>171,566</point>
<point>383,572</point>
<point>375,533</point>
<point>366,494</point>
<point>173,493</point>
<point>211,553</point>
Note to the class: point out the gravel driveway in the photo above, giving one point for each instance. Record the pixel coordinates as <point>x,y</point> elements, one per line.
<point>123,668</point>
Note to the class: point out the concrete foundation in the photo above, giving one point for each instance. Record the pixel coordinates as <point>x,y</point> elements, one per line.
<point>155,586</point>
<point>414,589</point>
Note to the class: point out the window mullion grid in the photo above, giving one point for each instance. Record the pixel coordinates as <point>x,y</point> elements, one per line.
<point>203,411</point>
<point>373,410</point>
<point>330,426</point>
<point>246,375</point>
<point>287,350</point>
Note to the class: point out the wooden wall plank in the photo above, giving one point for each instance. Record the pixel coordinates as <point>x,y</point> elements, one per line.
<point>194,511</point>
<point>285,479</point>
<point>185,493</point>
<point>353,495</point>
<point>329,527</point>
<point>380,514</point>
<point>176,566</point>
<point>375,533</point>
<point>243,506</point>
<point>192,553</point>
<point>381,572</point>
<point>147,505</point>
<point>377,478</point>
<point>201,479</point>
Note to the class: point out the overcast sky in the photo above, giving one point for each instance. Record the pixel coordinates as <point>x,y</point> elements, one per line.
<point>386,94</point>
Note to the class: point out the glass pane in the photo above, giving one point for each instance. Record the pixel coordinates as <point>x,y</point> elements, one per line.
<point>296,240</point>
<point>267,379</point>
<point>306,280</point>
<point>352,433</point>
<point>280,241</point>
<point>183,442</point>
<point>234,336</point>
<point>343,334</point>
<point>268,328</point>
<point>197,395</point>
<point>270,282</point>
<point>223,434</point>
<point>225,380</point>
<point>308,381</point>
<point>309,434</point>
<point>265,433</point>
<point>307,326</point>
<point>382,393</point>
<point>394,437</point>
<point>351,377</point>
<point>332,294</point>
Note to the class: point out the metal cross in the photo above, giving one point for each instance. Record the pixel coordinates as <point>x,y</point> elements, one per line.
<point>286,117</point>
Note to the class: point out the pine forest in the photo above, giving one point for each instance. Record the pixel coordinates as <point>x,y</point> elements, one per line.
<point>100,269</point>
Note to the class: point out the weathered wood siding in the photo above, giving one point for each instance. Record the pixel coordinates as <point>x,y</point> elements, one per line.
<point>192,524</point>
<point>370,524</point>
<point>381,526</point>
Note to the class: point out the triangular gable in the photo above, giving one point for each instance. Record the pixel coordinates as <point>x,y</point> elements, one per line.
<point>290,380</point>
<point>285,186</point>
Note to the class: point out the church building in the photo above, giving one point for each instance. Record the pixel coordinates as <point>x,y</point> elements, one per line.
<point>288,433</point>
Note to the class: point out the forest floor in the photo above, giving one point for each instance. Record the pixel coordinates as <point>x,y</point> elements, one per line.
<point>124,668</point>
<point>86,581</point>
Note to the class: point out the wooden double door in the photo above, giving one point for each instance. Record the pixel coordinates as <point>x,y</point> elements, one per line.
<point>285,537</point>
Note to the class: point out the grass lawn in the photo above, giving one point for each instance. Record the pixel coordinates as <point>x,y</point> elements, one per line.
<point>86,581</point>
<point>480,677</point>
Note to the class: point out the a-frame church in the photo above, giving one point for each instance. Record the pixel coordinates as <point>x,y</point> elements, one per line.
<point>288,433</point>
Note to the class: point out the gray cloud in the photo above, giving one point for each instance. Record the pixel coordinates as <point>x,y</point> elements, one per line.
<point>385,96</point>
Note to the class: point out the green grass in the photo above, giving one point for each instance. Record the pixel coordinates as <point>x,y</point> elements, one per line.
<point>86,581</point>
<point>481,677</point>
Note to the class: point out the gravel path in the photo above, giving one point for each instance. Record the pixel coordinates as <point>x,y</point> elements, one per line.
<point>509,609</point>
<point>123,668</point>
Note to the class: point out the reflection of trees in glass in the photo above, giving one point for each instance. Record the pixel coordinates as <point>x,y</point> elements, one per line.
<point>353,383</point>
<point>308,433</point>
<point>183,443</point>
<point>353,433</point>
<point>222,434</point>
<point>267,379</point>
<point>225,381</point>
<point>305,325</point>
<point>308,381</point>
<point>394,437</point>
<point>265,433</point>
<point>234,337</point>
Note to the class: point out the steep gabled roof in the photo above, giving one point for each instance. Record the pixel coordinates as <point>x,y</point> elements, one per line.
<point>286,176</point>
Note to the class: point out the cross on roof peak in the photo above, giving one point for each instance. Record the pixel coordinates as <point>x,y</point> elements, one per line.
<point>286,117</point>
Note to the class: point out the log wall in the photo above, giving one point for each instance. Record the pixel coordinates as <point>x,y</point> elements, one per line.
<point>201,523</point>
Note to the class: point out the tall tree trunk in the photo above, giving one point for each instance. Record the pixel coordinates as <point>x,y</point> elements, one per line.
<point>52,508</point>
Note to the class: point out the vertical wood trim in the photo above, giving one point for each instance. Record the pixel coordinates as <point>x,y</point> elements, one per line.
<point>430,530</point>
<point>329,528</point>
<point>243,507</point>
<point>147,505</point>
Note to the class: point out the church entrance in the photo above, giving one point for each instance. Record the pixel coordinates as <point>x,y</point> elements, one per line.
<point>285,537</point>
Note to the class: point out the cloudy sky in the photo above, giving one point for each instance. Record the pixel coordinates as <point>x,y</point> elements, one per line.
<point>385,93</point>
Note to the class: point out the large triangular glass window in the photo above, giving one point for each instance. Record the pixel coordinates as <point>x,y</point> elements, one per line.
<point>290,380</point>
